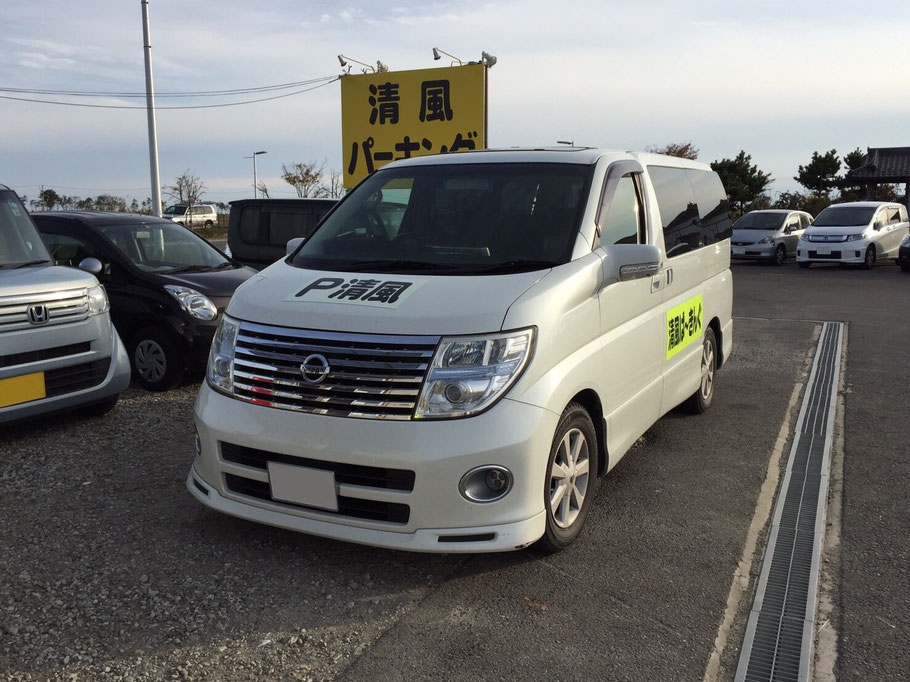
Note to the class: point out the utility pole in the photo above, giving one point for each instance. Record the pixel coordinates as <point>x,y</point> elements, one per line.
<point>150,106</point>
<point>255,181</point>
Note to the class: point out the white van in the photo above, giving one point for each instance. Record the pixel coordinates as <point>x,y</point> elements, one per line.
<point>464,345</point>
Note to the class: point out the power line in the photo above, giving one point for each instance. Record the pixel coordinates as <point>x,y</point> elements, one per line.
<point>188,93</point>
<point>195,106</point>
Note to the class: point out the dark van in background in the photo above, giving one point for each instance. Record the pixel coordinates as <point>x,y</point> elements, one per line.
<point>259,229</point>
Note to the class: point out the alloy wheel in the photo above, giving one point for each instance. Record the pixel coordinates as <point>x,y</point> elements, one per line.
<point>569,476</point>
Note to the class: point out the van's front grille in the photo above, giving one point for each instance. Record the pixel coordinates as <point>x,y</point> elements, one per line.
<point>832,255</point>
<point>31,311</point>
<point>74,378</point>
<point>368,376</point>
<point>353,507</point>
<point>351,474</point>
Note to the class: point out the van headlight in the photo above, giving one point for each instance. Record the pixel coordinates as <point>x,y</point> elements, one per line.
<point>193,302</point>
<point>97,300</point>
<point>220,370</point>
<point>853,237</point>
<point>470,373</point>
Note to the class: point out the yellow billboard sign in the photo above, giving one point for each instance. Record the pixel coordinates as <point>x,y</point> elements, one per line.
<point>400,114</point>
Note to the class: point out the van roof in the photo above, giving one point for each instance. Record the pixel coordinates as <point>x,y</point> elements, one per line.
<point>103,217</point>
<point>559,154</point>
<point>279,202</point>
<point>865,204</point>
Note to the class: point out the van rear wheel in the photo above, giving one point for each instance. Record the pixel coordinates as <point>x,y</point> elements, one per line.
<point>701,400</point>
<point>571,479</point>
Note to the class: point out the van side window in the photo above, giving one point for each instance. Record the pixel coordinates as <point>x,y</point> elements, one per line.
<point>621,222</point>
<point>286,225</point>
<point>713,209</point>
<point>804,221</point>
<point>249,225</point>
<point>894,215</point>
<point>678,209</point>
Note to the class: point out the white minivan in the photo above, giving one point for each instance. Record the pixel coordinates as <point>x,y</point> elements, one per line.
<point>464,345</point>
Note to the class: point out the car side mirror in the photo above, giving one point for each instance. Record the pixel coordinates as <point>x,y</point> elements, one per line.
<point>293,244</point>
<point>91,265</point>
<point>878,225</point>
<point>627,262</point>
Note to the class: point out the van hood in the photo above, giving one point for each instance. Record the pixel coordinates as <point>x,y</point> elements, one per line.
<point>835,230</point>
<point>42,279</point>
<point>379,303</point>
<point>219,283</point>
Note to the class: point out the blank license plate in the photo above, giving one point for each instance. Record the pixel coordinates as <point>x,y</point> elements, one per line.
<point>822,251</point>
<point>739,250</point>
<point>300,485</point>
<point>16,390</point>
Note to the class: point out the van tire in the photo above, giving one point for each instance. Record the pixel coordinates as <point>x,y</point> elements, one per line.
<point>869,259</point>
<point>574,446</point>
<point>780,255</point>
<point>157,362</point>
<point>701,400</point>
<point>208,223</point>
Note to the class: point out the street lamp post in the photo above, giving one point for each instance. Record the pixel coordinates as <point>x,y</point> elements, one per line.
<point>255,181</point>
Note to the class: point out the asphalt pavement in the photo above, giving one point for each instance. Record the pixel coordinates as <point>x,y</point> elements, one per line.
<point>110,570</point>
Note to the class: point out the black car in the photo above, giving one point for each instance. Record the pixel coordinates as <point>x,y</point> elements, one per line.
<point>903,255</point>
<point>259,229</point>
<point>167,286</point>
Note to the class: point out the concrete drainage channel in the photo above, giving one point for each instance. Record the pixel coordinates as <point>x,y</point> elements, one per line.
<point>780,630</point>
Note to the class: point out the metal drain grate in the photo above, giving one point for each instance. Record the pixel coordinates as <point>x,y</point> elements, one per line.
<point>779,635</point>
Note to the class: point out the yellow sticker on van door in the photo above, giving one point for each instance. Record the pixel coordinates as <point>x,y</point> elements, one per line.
<point>684,325</point>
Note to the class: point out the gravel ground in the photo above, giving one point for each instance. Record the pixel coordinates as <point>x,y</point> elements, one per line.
<point>109,570</point>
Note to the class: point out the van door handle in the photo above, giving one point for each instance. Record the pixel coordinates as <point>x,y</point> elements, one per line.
<point>669,276</point>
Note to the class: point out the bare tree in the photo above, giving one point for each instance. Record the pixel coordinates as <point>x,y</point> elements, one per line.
<point>263,190</point>
<point>334,188</point>
<point>187,189</point>
<point>684,150</point>
<point>306,178</point>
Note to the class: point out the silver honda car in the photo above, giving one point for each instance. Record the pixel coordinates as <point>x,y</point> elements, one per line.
<point>58,348</point>
<point>769,235</point>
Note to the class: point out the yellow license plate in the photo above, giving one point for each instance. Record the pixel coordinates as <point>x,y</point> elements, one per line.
<point>22,389</point>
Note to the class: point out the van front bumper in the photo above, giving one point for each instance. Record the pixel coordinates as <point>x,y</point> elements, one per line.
<point>438,518</point>
<point>833,252</point>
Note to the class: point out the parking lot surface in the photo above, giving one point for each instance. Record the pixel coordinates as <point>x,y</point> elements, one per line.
<point>110,570</point>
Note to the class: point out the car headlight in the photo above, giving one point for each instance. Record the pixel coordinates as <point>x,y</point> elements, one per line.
<point>97,300</point>
<point>767,240</point>
<point>906,241</point>
<point>470,373</point>
<point>193,302</point>
<point>853,237</point>
<point>220,370</point>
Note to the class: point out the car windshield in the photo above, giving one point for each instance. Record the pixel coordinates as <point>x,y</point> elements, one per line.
<point>164,247</point>
<point>455,219</point>
<point>760,221</point>
<point>20,244</point>
<point>175,210</point>
<point>844,216</point>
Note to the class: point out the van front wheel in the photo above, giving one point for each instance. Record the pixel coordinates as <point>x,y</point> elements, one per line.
<point>571,478</point>
<point>701,400</point>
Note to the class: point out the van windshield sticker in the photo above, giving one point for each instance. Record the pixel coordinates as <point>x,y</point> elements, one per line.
<point>358,291</point>
<point>684,325</point>
<point>14,207</point>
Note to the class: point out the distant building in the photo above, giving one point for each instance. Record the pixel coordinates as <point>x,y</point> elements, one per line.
<point>882,165</point>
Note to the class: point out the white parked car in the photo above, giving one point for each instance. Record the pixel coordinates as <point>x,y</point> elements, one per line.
<point>464,345</point>
<point>769,235</point>
<point>198,215</point>
<point>859,232</point>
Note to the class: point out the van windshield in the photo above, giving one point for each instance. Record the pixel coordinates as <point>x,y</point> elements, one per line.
<point>175,210</point>
<point>456,219</point>
<point>844,216</point>
<point>20,244</point>
<point>760,221</point>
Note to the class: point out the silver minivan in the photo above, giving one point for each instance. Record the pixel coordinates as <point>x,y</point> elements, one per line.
<point>58,347</point>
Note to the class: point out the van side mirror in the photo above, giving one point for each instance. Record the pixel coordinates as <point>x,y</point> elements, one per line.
<point>91,265</point>
<point>878,225</point>
<point>293,244</point>
<point>625,262</point>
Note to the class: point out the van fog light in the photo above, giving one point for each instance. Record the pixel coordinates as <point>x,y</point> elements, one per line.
<point>486,483</point>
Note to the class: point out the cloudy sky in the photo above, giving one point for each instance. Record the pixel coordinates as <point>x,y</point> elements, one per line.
<point>777,79</point>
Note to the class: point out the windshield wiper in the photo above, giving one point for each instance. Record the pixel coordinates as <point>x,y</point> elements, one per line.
<point>518,264</point>
<point>191,268</point>
<point>29,263</point>
<point>386,265</point>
